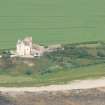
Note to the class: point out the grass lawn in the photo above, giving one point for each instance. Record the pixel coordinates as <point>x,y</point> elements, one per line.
<point>62,76</point>
<point>51,21</point>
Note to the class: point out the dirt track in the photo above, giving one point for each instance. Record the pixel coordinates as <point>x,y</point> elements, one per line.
<point>83,84</point>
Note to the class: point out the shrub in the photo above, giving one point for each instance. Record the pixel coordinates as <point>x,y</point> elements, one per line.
<point>101,53</point>
<point>28,72</point>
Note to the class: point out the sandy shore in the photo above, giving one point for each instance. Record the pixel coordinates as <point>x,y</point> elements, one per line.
<point>82,84</point>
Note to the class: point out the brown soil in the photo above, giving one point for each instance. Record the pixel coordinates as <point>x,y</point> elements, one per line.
<point>72,97</point>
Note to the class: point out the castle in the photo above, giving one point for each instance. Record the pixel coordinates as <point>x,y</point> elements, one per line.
<point>27,48</point>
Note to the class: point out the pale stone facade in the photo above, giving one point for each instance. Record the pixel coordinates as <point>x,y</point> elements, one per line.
<point>27,48</point>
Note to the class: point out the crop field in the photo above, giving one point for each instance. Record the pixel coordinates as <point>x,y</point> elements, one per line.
<point>51,21</point>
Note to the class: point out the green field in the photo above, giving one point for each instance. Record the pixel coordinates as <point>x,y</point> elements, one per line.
<point>51,21</point>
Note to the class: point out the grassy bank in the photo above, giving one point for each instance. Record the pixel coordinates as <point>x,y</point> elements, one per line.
<point>62,76</point>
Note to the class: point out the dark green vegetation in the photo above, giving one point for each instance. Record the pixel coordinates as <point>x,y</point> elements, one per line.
<point>71,62</point>
<point>51,21</point>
